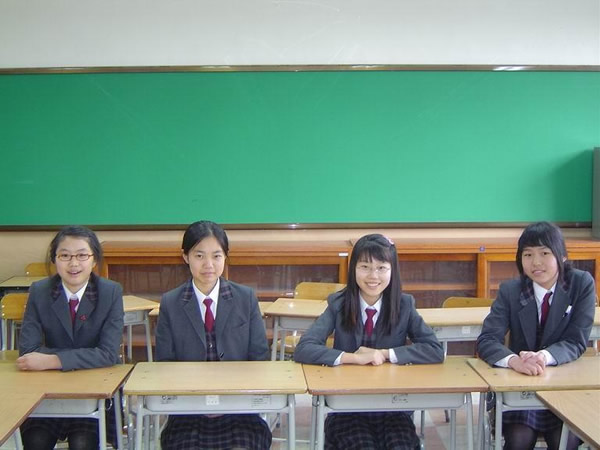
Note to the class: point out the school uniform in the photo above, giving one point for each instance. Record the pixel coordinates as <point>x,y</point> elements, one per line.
<point>387,430</point>
<point>238,335</point>
<point>93,340</point>
<point>564,335</point>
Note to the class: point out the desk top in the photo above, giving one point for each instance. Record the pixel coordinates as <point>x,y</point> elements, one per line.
<point>9,356</point>
<point>211,378</point>
<point>261,305</point>
<point>19,282</point>
<point>438,317</point>
<point>132,303</point>
<point>454,375</point>
<point>83,384</point>
<point>21,405</point>
<point>296,307</point>
<point>580,409</point>
<point>583,373</point>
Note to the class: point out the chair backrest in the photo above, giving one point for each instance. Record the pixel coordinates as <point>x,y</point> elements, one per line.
<point>465,302</point>
<point>316,291</point>
<point>38,269</point>
<point>13,306</point>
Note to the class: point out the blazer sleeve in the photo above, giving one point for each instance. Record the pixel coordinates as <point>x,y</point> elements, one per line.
<point>31,336</point>
<point>312,349</point>
<point>490,343</point>
<point>573,341</point>
<point>425,348</point>
<point>258,347</point>
<point>165,344</point>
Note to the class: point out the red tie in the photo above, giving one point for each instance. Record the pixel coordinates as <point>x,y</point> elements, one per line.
<point>545,308</point>
<point>209,319</point>
<point>369,322</point>
<point>73,302</point>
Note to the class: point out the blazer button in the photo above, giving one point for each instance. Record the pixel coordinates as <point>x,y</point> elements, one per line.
<point>210,346</point>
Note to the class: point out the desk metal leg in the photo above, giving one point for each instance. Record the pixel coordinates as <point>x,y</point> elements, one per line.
<point>118,408</point>
<point>469,421</point>
<point>102,423</point>
<point>481,421</point>
<point>564,437</point>
<point>291,422</point>
<point>4,334</point>
<point>148,338</point>
<point>321,423</point>
<point>129,343</point>
<point>498,431</point>
<point>453,429</point>
<point>313,422</point>
<point>282,345</point>
<point>275,336</point>
<point>139,423</point>
<point>17,439</point>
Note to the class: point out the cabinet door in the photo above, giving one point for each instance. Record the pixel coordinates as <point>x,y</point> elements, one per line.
<point>499,267</point>
<point>277,276</point>
<point>149,280</point>
<point>431,278</point>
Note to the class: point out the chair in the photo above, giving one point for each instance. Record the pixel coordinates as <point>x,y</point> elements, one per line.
<point>38,269</point>
<point>13,309</point>
<point>309,290</point>
<point>466,302</point>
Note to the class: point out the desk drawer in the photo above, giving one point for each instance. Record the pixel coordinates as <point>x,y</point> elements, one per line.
<point>133,317</point>
<point>394,401</point>
<point>59,406</point>
<point>215,403</point>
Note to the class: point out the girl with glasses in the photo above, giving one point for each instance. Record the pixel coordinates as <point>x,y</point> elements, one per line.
<point>372,321</point>
<point>549,312</point>
<point>209,318</point>
<point>73,320</point>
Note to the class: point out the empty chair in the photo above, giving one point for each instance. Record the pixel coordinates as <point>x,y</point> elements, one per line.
<point>466,302</point>
<point>310,290</point>
<point>38,269</point>
<point>13,309</point>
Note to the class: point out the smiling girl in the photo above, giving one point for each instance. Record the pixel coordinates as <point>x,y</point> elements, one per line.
<point>373,322</point>
<point>549,312</point>
<point>73,320</point>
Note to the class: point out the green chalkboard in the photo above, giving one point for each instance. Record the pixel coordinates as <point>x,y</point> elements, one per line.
<point>306,147</point>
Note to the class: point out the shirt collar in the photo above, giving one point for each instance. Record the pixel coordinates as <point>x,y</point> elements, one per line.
<point>540,292</point>
<point>214,294</point>
<point>364,305</point>
<point>78,294</point>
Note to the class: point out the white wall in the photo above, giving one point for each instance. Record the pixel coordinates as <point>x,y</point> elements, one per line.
<point>89,33</point>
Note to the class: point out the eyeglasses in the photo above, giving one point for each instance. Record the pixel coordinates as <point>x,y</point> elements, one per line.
<point>379,270</point>
<point>79,257</point>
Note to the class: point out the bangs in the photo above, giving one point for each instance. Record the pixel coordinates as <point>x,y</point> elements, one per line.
<point>374,251</point>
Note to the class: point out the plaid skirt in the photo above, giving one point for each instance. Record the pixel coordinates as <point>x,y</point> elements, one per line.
<point>372,431</point>
<point>61,428</point>
<point>222,432</point>
<point>540,420</point>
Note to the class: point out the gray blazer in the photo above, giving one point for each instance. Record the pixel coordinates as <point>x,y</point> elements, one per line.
<point>567,328</point>
<point>425,348</point>
<point>94,341</point>
<point>239,328</point>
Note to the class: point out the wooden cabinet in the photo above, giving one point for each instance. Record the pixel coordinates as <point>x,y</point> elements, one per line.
<point>273,269</point>
<point>431,269</point>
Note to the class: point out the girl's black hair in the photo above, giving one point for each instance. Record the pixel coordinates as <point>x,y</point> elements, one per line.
<point>368,248</point>
<point>79,232</point>
<point>544,234</point>
<point>200,230</point>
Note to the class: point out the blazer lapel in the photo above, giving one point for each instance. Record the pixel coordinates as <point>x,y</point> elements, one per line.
<point>225,305</point>
<point>528,317</point>
<point>61,307</point>
<point>88,303</point>
<point>189,303</point>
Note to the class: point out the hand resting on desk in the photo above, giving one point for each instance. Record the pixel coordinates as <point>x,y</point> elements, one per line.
<point>38,361</point>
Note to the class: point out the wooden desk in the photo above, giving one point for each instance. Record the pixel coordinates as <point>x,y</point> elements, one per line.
<point>291,314</point>
<point>517,391</point>
<point>232,387</point>
<point>79,393</point>
<point>18,284</point>
<point>137,312</point>
<point>393,387</point>
<point>17,406</point>
<point>579,411</point>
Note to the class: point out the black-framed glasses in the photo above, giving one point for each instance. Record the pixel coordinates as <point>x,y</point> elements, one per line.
<point>67,257</point>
